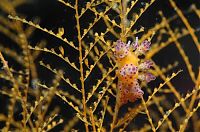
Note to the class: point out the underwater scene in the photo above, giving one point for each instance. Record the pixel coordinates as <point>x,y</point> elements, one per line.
<point>99,65</point>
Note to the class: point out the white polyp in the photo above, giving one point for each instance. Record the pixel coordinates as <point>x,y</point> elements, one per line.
<point>136,40</point>
<point>129,42</point>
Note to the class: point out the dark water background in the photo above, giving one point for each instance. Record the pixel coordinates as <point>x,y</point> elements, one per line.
<point>53,14</point>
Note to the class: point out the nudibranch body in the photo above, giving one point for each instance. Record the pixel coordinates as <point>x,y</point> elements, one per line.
<point>131,68</point>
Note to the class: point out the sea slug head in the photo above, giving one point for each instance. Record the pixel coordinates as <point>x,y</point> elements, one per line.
<point>121,49</point>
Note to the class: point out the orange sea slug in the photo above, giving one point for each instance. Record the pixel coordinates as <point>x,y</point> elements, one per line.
<point>131,68</point>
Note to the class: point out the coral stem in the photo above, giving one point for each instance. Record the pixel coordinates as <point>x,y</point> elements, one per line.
<point>117,106</point>
<point>81,65</point>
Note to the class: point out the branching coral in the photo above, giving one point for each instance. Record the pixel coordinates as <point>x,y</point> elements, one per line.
<point>76,83</point>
